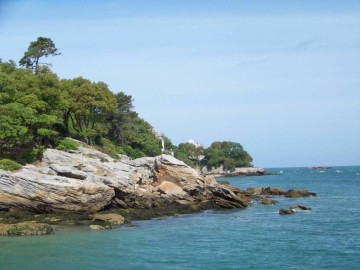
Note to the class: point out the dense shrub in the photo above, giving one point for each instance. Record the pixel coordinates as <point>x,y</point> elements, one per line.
<point>67,144</point>
<point>32,154</point>
<point>9,165</point>
<point>133,152</point>
<point>109,148</point>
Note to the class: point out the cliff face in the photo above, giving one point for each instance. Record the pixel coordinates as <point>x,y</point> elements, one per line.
<point>87,180</point>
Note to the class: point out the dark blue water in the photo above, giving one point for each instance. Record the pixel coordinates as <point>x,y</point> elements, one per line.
<point>328,237</point>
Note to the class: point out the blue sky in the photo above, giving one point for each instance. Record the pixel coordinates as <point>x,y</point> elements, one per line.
<point>280,77</point>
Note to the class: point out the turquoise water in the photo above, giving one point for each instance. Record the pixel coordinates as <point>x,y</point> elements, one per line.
<point>328,237</point>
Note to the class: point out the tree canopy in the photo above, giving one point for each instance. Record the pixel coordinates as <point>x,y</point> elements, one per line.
<point>190,154</point>
<point>230,155</point>
<point>38,110</point>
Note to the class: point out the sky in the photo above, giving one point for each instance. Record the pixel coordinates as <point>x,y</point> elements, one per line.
<point>279,77</point>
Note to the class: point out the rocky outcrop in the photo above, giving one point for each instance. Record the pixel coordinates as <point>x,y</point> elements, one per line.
<point>87,187</point>
<point>87,180</point>
<point>274,191</point>
<point>244,171</point>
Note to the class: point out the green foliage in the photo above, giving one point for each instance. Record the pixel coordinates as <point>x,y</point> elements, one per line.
<point>44,132</point>
<point>8,67</point>
<point>67,144</point>
<point>228,154</point>
<point>32,154</point>
<point>184,157</point>
<point>130,131</point>
<point>137,134</point>
<point>110,148</point>
<point>89,106</point>
<point>189,153</point>
<point>15,121</point>
<point>9,165</point>
<point>133,152</point>
<point>28,108</point>
<point>119,117</point>
<point>37,110</point>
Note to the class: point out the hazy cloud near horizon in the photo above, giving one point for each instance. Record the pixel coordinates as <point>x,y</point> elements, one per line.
<point>281,80</point>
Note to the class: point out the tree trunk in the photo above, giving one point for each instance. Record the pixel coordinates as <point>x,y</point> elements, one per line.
<point>37,65</point>
<point>66,123</point>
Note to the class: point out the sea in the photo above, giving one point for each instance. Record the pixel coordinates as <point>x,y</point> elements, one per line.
<point>327,237</point>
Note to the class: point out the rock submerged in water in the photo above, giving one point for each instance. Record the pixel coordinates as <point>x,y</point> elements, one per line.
<point>262,195</point>
<point>300,207</point>
<point>268,201</point>
<point>25,229</point>
<point>293,193</point>
<point>96,227</point>
<point>284,211</point>
<point>109,219</point>
<point>293,209</point>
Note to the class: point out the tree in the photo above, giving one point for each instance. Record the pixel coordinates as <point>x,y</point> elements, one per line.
<point>41,47</point>
<point>137,134</point>
<point>15,119</point>
<point>228,154</point>
<point>89,106</point>
<point>120,116</point>
<point>190,154</point>
<point>28,107</point>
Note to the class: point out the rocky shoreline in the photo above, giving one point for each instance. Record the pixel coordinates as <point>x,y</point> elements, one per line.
<point>88,187</point>
<point>244,171</point>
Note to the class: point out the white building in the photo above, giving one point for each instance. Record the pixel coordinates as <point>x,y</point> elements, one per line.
<point>191,141</point>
